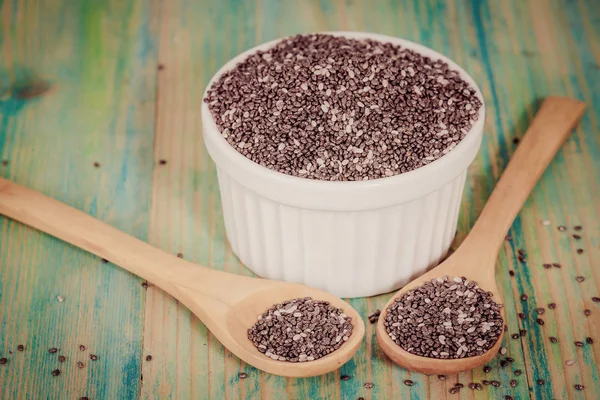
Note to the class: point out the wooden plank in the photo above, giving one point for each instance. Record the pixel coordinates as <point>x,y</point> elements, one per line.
<point>96,56</point>
<point>518,51</point>
<point>495,42</point>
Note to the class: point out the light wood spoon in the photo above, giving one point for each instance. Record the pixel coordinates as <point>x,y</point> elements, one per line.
<point>227,304</point>
<point>476,257</point>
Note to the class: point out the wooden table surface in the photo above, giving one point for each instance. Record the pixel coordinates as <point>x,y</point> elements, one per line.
<point>125,80</point>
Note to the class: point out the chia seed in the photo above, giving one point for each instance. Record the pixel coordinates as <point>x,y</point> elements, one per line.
<point>552,306</point>
<point>345,377</point>
<point>578,387</point>
<point>62,359</point>
<point>579,279</point>
<point>337,109</point>
<point>53,350</point>
<point>408,382</point>
<point>3,360</point>
<point>242,375</point>
<point>553,339</point>
<point>21,347</point>
<point>368,385</point>
<point>300,330</point>
<point>587,313</point>
<point>579,344</point>
<point>589,340</point>
<point>518,372</point>
<point>445,318</point>
<point>56,372</point>
<point>562,228</point>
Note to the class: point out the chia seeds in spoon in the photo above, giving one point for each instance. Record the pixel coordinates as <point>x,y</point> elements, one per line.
<point>300,330</point>
<point>331,108</point>
<point>445,318</point>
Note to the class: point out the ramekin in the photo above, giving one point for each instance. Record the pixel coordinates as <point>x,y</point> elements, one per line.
<point>351,239</point>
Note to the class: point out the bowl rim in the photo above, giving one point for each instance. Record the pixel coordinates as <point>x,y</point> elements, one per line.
<point>431,170</point>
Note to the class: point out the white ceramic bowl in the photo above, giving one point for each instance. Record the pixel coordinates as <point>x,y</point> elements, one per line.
<point>351,239</point>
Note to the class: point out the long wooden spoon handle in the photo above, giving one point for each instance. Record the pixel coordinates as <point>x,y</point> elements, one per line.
<point>546,134</point>
<point>79,229</point>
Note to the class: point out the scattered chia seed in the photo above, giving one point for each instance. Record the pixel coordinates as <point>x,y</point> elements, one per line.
<point>242,375</point>
<point>521,315</point>
<point>368,385</point>
<point>62,359</point>
<point>495,383</point>
<point>408,382</point>
<point>487,369</point>
<point>331,108</point>
<point>93,357</point>
<point>97,164</point>
<point>587,312</point>
<point>163,162</point>
<point>3,360</point>
<point>300,330</point>
<point>589,340</point>
<point>522,332</point>
<point>60,299</point>
<point>148,357</point>
<point>596,299</point>
<point>540,310</point>
<point>552,306</point>
<point>80,364</point>
<point>562,228</point>
<point>445,318</point>
<point>508,397</point>
<point>524,297</point>
<point>513,383</point>
<point>5,162</point>
<point>503,363</point>
<point>21,347</point>
<point>345,377</point>
<point>511,272</point>
<point>516,140</point>
<point>556,265</point>
<point>145,285</point>
<point>540,321</point>
<point>105,261</point>
<point>454,390</point>
<point>56,372</point>
<point>547,266</point>
<point>579,279</point>
<point>579,251</point>
<point>53,350</point>
<point>569,362</point>
<point>579,344</point>
<point>576,237</point>
<point>577,227</point>
<point>508,238</point>
<point>84,398</point>
<point>578,387</point>
<point>81,347</point>
<point>459,385</point>
<point>485,382</point>
<point>472,386</point>
<point>553,339</point>
<point>541,382</point>
<point>517,372</point>
<point>442,377</point>
<point>180,255</point>
<point>510,359</point>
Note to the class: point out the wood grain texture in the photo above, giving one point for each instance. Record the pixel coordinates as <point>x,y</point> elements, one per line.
<point>100,58</point>
<point>95,56</point>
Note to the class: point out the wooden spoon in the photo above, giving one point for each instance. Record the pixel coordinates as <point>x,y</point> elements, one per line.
<point>227,304</point>
<point>475,258</point>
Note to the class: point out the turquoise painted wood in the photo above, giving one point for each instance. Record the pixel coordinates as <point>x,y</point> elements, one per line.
<point>126,80</point>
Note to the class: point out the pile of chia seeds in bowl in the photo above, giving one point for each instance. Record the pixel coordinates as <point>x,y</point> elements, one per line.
<point>445,318</point>
<point>300,330</point>
<point>331,108</point>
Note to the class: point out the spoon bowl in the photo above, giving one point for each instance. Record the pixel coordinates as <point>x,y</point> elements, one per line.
<point>227,304</point>
<point>476,257</point>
